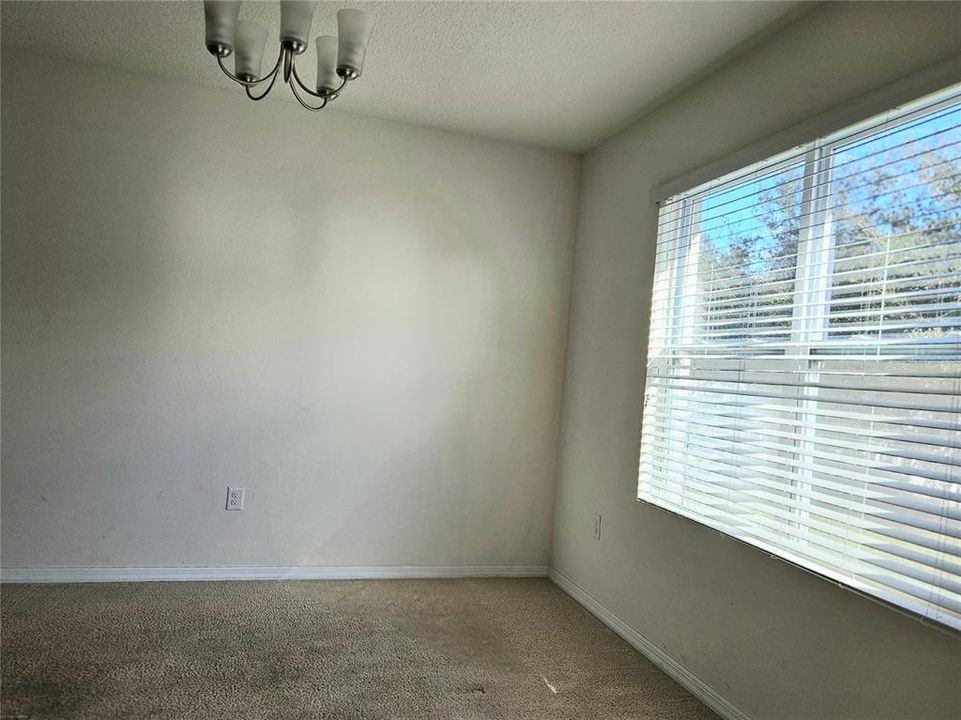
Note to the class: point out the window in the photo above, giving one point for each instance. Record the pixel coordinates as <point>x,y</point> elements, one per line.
<point>804,371</point>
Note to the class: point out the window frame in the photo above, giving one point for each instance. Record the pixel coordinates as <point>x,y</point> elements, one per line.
<point>813,291</point>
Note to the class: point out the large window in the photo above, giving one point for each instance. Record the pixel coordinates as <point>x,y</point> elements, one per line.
<point>804,371</point>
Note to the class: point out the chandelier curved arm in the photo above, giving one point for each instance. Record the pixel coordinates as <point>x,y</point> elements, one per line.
<point>266,92</point>
<point>293,88</point>
<point>327,96</point>
<point>252,83</point>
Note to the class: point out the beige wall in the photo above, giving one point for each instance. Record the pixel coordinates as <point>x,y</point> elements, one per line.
<point>362,322</point>
<point>774,640</point>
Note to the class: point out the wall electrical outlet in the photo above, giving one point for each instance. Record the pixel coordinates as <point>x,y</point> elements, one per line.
<point>597,526</point>
<point>235,498</point>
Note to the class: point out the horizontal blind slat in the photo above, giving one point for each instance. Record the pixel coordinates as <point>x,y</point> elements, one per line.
<point>941,522</point>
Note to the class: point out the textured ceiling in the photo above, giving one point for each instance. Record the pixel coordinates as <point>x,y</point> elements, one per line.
<point>561,74</point>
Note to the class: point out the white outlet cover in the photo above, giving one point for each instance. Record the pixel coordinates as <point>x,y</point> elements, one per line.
<point>235,498</point>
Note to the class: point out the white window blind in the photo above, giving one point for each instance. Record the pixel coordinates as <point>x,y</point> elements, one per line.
<point>804,369</point>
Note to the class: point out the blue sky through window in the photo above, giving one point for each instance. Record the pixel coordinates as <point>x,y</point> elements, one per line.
<point>900,156</point>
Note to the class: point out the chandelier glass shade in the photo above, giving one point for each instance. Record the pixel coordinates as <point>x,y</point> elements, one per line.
<point>339,59</point>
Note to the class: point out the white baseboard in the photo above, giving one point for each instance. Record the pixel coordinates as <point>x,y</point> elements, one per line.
<point>239,572</point>
<point>691,682</point>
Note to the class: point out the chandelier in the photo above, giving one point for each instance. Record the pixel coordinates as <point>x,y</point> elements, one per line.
<point>339,59</point>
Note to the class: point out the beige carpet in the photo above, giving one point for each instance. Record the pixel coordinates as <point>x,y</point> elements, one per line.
<point>511,649</point>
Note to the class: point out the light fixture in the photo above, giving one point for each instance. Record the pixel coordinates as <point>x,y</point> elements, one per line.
<point>339,59</point>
